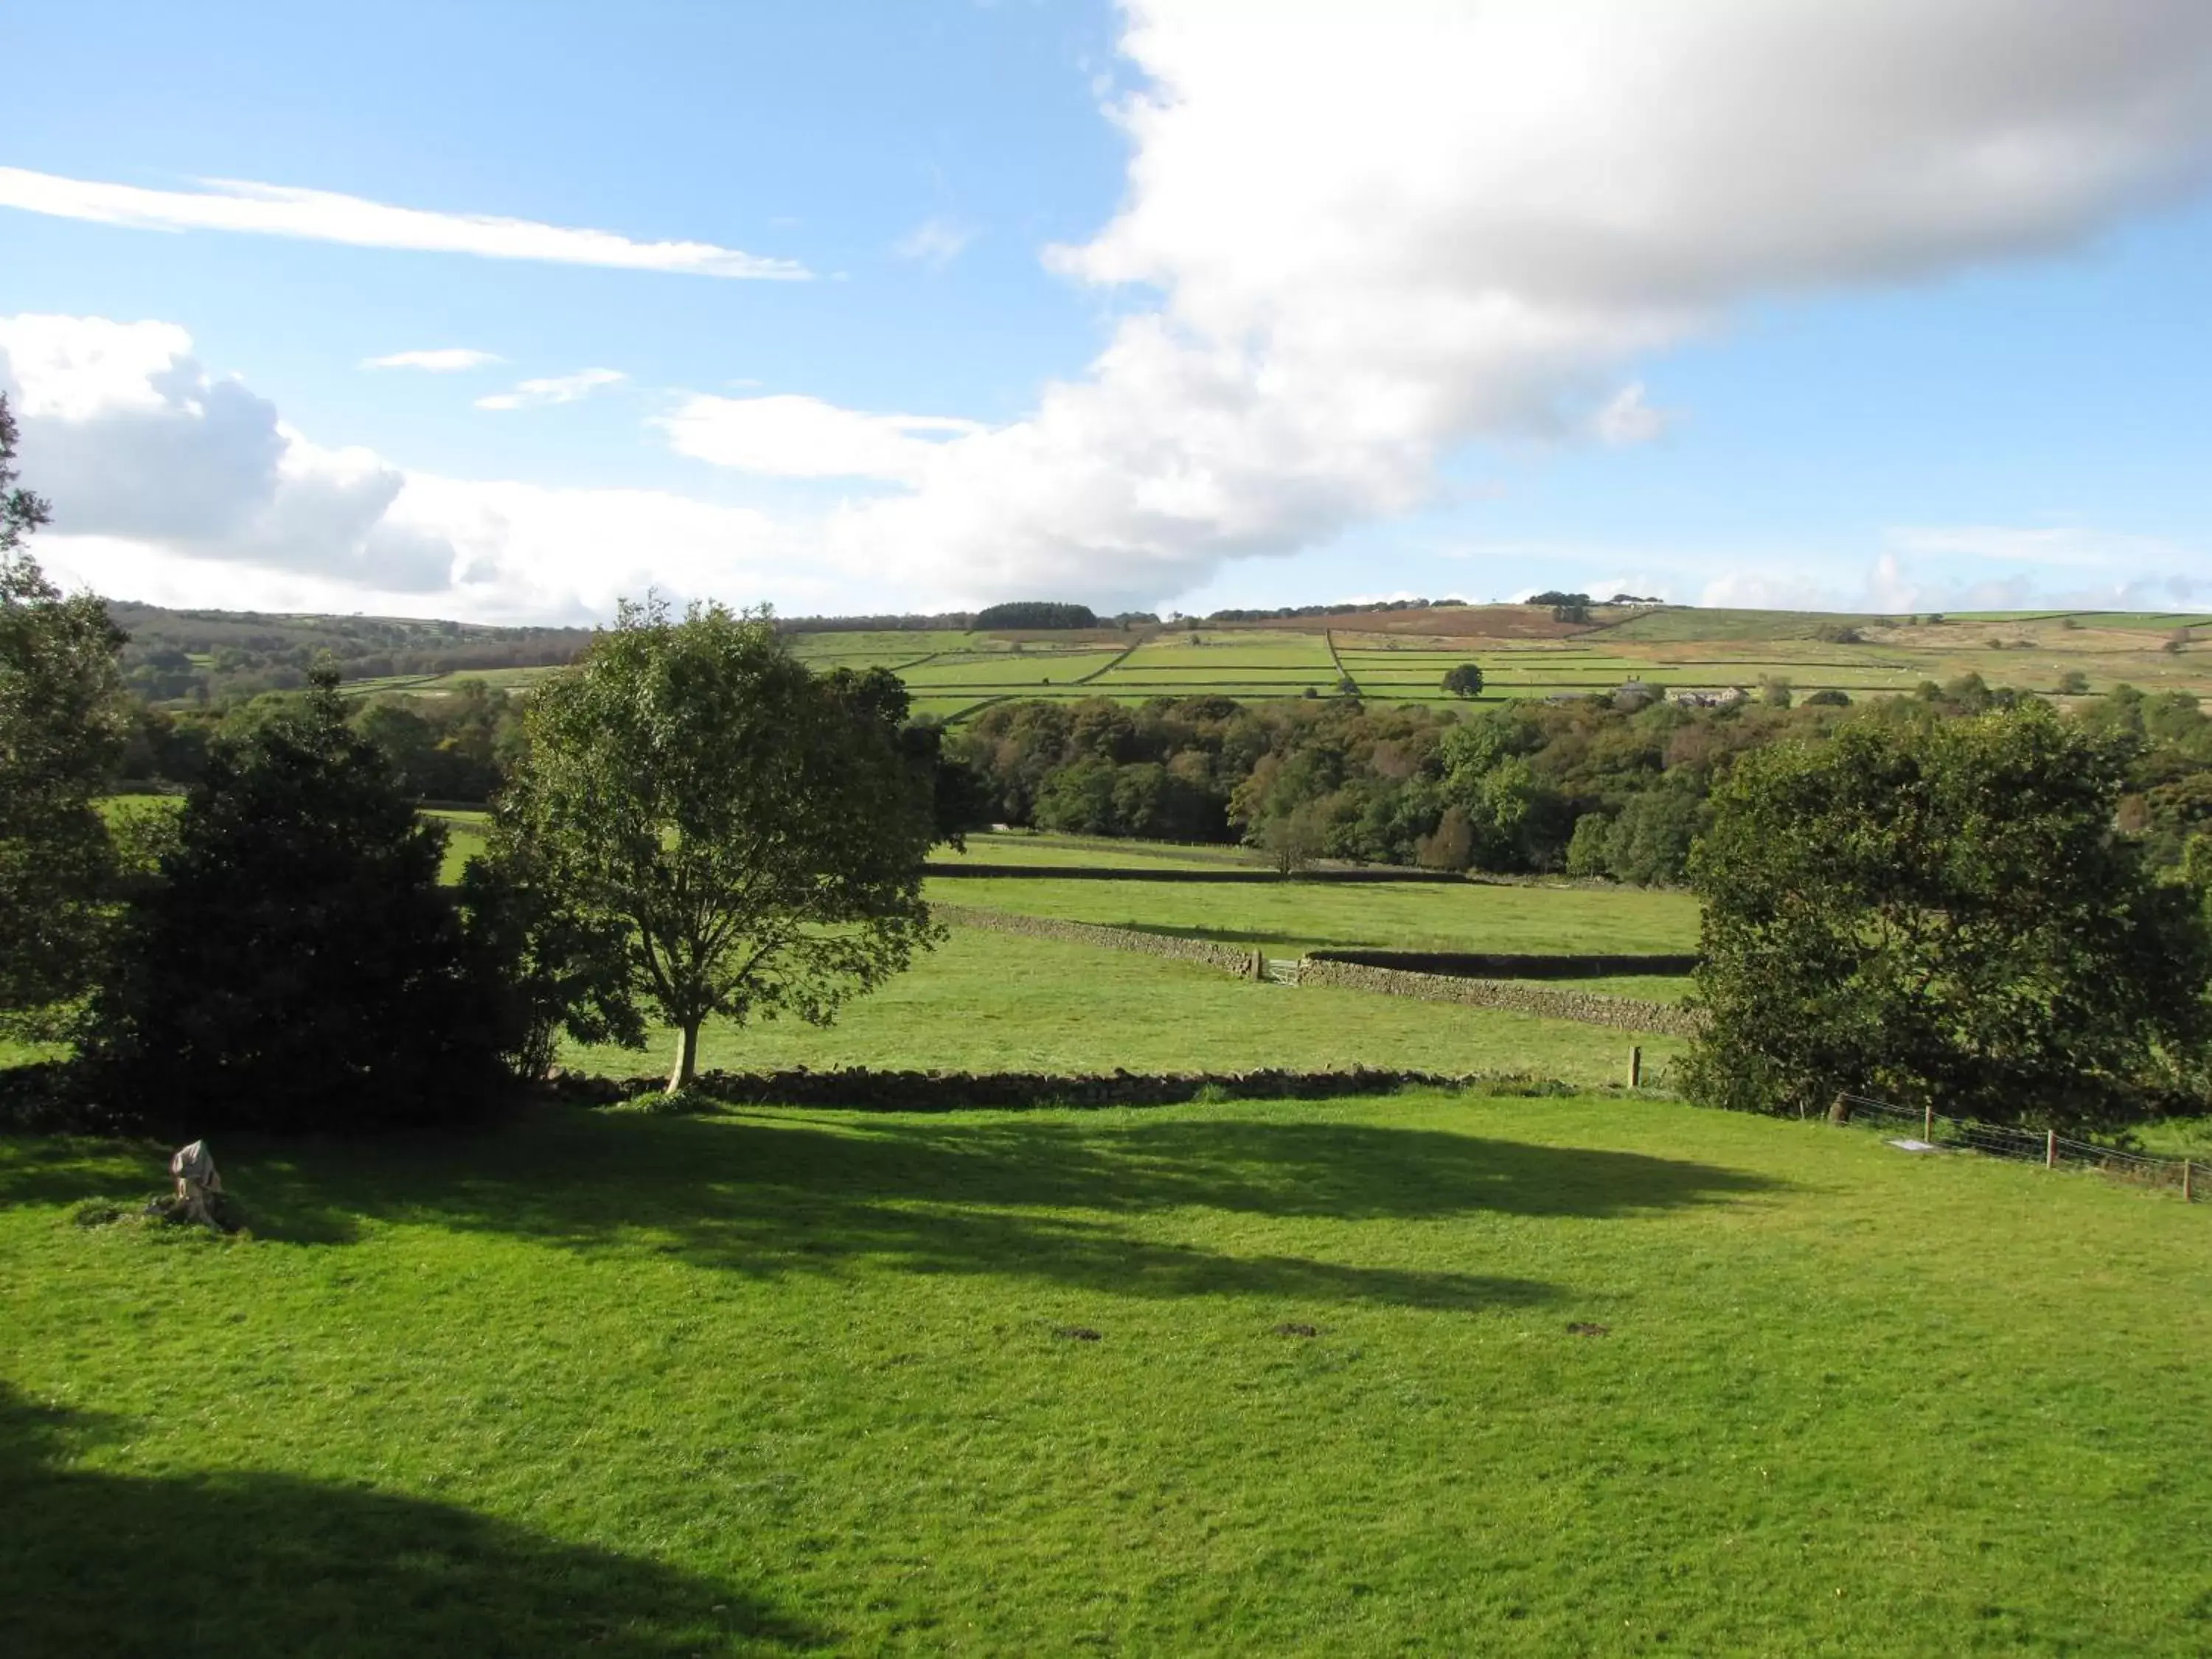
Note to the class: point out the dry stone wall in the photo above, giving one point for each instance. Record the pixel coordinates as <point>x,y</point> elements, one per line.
<point>865,1089</point>
<point>1469,964</point>
<point>1590,1008</point>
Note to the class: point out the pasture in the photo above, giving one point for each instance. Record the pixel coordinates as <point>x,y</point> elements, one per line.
<point>991,1001</point>
<point>1287,918</point>
<point>1424,1374</point>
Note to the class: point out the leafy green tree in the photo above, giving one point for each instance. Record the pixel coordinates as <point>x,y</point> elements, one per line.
<point>756,834</point>
<point>1463,680</point>
<point>296,965</point>
<point>63,722</point>
<point>1941,912</point>
<point>554,969</point>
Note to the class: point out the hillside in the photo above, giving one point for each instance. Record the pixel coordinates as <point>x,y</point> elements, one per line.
<point>1393,654</point>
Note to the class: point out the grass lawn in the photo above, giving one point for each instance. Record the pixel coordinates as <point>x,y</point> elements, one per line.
<point>1292,916</point>
<point>989,1001</point>
<point>806,1382</point>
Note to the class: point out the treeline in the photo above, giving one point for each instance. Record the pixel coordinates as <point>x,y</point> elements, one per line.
<point>455,744</point>
<point>1614,786</point>
<point>212,657</point>
<point>1349,608</point>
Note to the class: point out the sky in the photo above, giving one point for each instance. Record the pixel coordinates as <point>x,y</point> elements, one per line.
<point>504,313</point>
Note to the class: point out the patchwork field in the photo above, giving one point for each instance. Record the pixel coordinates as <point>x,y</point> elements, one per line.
<point>1428,1374</point>
<point>1401,656</point>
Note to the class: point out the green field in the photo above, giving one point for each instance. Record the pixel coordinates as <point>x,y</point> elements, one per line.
<point>1289,917</point>
<point>791,1381</point>
<point>992,1002</point>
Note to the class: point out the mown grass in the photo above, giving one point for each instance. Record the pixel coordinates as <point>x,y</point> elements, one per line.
<point>1287,918</point>
<point>991,1001</point>
<point>811,1381</point>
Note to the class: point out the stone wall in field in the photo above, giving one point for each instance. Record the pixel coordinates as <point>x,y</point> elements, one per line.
<point>1375,874</point>
<point>1467,964</point>
<point>870,1090</point>
<point>1588,1007</point>
<point>1227,957</point>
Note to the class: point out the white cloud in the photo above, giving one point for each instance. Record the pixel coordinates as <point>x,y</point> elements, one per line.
<point>936,242</point>
<point>323,215</point>
<point>1375,235</point>
<point>554,389</point>
<point>442,360</point>
<point>160,474</point>
<point>1627,418</point>
<point>134,439</point>
<point>794,437</point>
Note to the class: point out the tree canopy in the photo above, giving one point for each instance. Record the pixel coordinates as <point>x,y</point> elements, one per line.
<point>1035,613</point>
<point>62,723</point>
<point>1463,679</point>
<point>1941,912</point>
<point>755,835</point>
<point>296,965</point>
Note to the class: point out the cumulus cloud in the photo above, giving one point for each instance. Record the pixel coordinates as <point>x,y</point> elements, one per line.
<point>554,389</point>
<point>159,471</point>
<point>134,439</point>
<point>442,360</point>
<point>322,215</point>
<point>794,437</point>
<point>1375,234</point>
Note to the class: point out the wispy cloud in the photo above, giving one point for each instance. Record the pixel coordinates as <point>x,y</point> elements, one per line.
<point>442,360</point>
<point>1627,418</point>
<point>936,242</point>
<point>554,389</point>
<point>322,215</point>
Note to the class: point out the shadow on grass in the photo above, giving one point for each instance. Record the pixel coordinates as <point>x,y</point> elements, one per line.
<point>243,1563</point>
<point>1241,936</point>
<point>1050,1199</point>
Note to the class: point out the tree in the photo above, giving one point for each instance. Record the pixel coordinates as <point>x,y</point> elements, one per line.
<point>295,964</point>
<point>63,721</point>
<point>1941,912</point>
<point>756,834</point>
<point>1463,680</point>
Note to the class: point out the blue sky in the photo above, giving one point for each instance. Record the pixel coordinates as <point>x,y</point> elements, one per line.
<point>1178,305</point>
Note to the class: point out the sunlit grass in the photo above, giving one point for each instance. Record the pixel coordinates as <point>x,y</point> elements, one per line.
<point>791,1381</point>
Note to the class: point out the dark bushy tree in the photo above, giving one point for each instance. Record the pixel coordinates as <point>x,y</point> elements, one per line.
<point>297,966</point>
<point>1463,680</point>
<point>1941,912</point>
<point>63,721</point>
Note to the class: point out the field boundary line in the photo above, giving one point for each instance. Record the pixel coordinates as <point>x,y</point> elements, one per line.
<point>2047,1148</point>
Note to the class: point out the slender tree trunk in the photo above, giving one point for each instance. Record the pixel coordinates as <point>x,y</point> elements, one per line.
<point>687,1057</point>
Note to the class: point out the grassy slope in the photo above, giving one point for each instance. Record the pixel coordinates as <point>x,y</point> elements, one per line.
<point>986,1001</point>
<point>789,1380</point>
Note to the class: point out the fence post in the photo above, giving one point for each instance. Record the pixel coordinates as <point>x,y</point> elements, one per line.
<point>1636,1066</point>
<point>2188,1187</point>
<point>2051,1149</point>
<point>1927,1123</point>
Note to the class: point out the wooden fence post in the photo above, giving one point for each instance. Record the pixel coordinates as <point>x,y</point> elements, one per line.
<point>1636,1066</point>
<point>2051,1149</point>
<point>2188,1187</point>
<point>1928,1122</point>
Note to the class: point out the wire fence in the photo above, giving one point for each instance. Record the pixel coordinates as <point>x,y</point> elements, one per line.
<point>2053,1151</point>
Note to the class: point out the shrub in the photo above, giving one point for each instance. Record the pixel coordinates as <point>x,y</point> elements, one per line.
<point>296,965</point>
